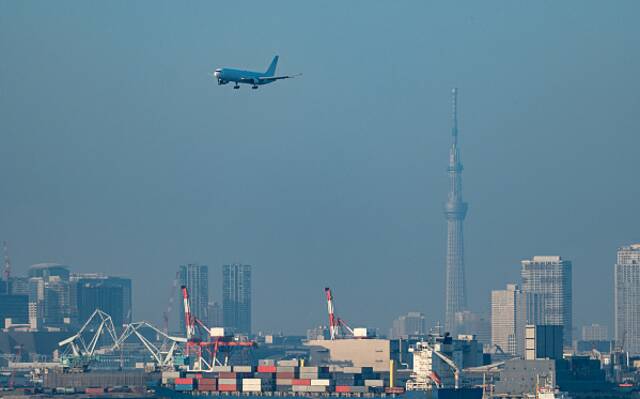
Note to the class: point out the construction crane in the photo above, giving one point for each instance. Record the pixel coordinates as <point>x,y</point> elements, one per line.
<point>336,324</point>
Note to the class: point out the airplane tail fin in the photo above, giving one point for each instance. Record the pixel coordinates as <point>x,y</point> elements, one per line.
<point>272,68</point>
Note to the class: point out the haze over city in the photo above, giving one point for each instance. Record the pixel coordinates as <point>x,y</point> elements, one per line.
<point>120,154</point>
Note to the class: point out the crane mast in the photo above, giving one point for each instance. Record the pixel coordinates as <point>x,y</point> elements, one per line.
<point>333,322</point>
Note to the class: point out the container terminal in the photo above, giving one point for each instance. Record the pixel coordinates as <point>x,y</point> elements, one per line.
<point>211,361</point>
<point>143,361</point>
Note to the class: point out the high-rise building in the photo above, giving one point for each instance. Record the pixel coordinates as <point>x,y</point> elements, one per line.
<point>14,307</point>
<point>627,298</point>
<point>49,295</point>
<point>543,342</point>
<point>455,212</point>
<point>595,332</point>
<point>93,291</point>
<point>215,314</point>
<point>236,297</point>
<point>196,278</point>
<point>507,319</point>
<point>471,323</point>
<point>410,325</point>
<point>549,277</point>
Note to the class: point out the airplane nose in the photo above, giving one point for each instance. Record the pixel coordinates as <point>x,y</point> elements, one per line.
<point>216,74</point>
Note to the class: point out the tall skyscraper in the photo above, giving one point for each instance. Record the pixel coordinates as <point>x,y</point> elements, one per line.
<point>627,294</point>
<point>507,324</point>
<point>236,297</point>
<point>549,278</point>
<point>595,332</point>
<point>215,314</point>
<point>91,291</point>
<point>196,278</point>
<point>49,295</point>
<point>455,212</point>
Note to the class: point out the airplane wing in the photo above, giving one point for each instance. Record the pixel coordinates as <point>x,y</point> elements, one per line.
<point>274,78</point>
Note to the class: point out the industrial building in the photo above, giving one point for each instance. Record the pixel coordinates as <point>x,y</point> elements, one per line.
<point>371,352</point>
<point>236,297</point>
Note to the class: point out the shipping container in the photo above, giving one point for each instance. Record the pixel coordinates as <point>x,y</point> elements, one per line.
<point>184,381</point>
<point>287,369</point>
<point>342,388</point>
<point>317,388</point>
<point>267,369</point>
<point>299,381</point>
<point>374,383</point>
<point>94,391</point>
<point>284,381</point>
<point>266,362</point>
<point>321,382</point>
<point>285,374</point>
<point>229,381</point>
<point>184,387</point>
<point>293,362</point>
<point>227,387</point>
<point>227,374</point>
<point>221,368</point>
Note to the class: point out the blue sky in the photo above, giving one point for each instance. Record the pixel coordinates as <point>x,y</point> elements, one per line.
<point>118,153</point>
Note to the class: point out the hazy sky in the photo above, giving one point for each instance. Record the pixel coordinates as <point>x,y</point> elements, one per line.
<point>118,153</point>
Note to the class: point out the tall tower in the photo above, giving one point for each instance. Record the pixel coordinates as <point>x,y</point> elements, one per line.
<point>455,211</point>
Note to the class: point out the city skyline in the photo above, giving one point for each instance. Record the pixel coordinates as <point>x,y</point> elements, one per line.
<point>150,166</point>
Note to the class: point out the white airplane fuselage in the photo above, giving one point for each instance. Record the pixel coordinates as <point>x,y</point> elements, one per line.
<point>226,75</point>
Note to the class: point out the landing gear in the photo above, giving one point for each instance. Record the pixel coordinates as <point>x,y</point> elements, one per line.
<point>237,86</point>
<point>254,87</point>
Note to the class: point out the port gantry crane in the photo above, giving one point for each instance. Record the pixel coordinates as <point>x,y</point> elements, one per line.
<point>78,353</point>
<point>163,355</point>
<point>336,324</point>
<point>215,340</point>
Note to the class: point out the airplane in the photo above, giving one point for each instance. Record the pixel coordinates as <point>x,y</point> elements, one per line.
<point>255,79</point>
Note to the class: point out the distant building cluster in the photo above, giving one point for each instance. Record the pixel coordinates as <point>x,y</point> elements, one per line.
<point>52,298</point>
<point>410,325</point>
<point>234,313</point>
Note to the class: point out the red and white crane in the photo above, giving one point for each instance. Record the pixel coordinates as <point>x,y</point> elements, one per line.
<point>336,324</point>
<point>206,345</point>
